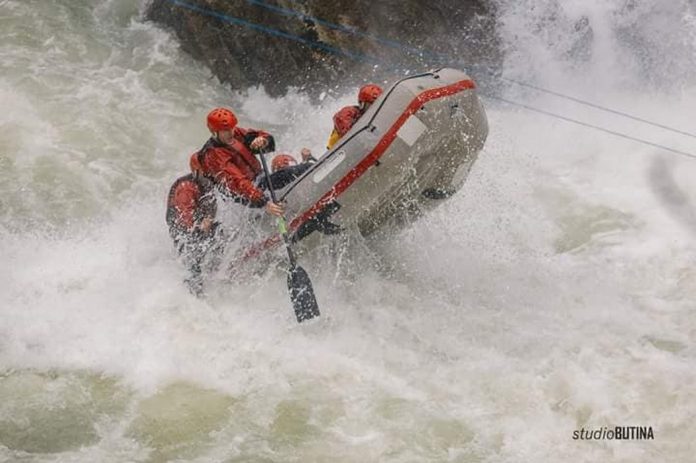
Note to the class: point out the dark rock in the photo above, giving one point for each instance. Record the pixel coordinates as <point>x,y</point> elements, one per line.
<point>309,44</point>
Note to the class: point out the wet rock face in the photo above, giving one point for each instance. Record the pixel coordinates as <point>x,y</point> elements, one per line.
<point>319,44</point>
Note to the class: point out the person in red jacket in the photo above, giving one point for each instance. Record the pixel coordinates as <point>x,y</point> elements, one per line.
<point>227,159</point>
<point>191,211</point>
<point>346,118</point>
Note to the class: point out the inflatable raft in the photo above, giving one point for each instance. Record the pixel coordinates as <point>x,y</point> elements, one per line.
<point>411,150</point>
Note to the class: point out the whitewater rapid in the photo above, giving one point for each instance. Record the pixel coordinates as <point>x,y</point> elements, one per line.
<point>554,292</point>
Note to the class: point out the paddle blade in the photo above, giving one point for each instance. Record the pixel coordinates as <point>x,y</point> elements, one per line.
<point>302,295</point>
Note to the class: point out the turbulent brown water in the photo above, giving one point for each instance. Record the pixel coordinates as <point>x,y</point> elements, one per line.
<point>555,292</point>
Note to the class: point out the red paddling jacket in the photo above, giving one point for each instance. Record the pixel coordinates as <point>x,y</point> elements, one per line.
<point>343,120</point>
<point>191,199</point>
<point>233,166</point>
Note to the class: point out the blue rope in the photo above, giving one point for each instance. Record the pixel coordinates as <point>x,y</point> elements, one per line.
<point>275,32</point>
<point>338,27</point>
<point>442,58</point>
<point>370,59</point>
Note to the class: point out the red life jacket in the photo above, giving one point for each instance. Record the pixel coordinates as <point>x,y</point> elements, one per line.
<point>232,166</point>
<point>191,199</point>
<point>346,118</point>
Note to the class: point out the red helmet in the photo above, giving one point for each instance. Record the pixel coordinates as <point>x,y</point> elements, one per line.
<point>221,119</point>
<point>369,93</point>
<point>195,164</point>
<point>281,161</point>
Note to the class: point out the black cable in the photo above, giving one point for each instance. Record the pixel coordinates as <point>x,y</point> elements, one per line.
<point>596,127</point>
<point>594,105</point>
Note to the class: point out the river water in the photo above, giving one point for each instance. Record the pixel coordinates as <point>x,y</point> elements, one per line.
<point>555,292</point>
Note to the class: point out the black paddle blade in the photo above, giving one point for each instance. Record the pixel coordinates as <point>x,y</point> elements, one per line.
<point>302,295</point>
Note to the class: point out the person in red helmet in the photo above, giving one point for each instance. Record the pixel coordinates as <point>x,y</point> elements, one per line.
<point>227,159</point>
<point>349,115</point>
<point>191,211</point>
<point>285,161</point>
<point>285,169</point>
<point>282,161</point>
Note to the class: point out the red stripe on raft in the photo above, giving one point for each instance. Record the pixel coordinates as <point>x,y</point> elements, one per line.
<point>380,148</point>
<point>365,164</point>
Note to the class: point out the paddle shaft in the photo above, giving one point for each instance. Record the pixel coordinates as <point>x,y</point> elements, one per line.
<point>304,302</point>
<point>281,220</point>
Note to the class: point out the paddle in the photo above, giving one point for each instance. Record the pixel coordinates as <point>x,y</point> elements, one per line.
<point>299,285</point>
